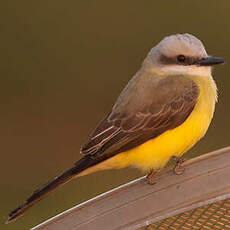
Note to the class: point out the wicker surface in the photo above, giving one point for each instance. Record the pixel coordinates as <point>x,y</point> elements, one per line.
<point>197,199</point>
<point>214,216</point>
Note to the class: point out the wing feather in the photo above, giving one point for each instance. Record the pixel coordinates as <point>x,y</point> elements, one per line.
<point>142,114</point>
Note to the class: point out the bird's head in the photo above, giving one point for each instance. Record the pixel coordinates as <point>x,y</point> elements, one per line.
<point>182,54</point>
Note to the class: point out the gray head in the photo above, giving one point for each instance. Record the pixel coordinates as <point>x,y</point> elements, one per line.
<point>181,50</point>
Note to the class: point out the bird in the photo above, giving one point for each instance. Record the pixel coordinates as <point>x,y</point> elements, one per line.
<point>161,113</point>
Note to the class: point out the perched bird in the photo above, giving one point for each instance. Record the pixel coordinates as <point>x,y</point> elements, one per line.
<point>162,112</point>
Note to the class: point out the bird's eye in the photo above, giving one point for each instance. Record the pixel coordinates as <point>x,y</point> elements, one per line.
<point>181,58</point>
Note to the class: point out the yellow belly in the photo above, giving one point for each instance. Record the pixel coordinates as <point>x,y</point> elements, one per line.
<point>155,153</point>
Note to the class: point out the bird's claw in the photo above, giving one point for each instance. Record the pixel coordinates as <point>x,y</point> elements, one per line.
<point>148,178</point>
<point>178,169</point>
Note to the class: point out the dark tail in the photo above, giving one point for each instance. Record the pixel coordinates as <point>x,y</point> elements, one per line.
<point>69,174</point>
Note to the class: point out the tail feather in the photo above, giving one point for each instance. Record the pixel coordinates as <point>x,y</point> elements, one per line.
<point>69,174</point>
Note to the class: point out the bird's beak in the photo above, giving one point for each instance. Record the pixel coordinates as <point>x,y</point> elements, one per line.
<point>208,61</point>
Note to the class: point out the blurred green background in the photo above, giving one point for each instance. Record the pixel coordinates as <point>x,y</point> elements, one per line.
<point>63,63</point>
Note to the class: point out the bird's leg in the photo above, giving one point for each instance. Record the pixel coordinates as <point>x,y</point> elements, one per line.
<point>178,169</point>
<point>149,177</point>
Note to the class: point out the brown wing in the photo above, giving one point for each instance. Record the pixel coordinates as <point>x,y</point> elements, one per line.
<point>147,107</point>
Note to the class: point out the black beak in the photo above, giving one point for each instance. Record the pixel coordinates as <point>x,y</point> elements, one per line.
<point>209,61</point>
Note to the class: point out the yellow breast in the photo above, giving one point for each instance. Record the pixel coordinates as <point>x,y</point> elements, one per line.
<point>155,153</point>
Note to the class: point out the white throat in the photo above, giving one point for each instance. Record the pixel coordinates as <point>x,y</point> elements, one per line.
<point>186,70</point>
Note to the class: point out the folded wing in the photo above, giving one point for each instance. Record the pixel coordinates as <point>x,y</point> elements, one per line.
<point>142,112</point>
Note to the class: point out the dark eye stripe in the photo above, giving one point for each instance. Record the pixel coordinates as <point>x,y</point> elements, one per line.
<point>180,60</point>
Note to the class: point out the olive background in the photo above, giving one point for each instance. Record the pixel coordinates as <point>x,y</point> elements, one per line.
<point>62,65</point>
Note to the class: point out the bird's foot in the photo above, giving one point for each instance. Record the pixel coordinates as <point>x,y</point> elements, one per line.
<point>178,169</point>
<point>149,177</point>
